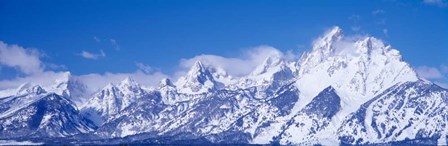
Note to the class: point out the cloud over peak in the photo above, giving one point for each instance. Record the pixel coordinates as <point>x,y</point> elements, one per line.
<point>236,66</point>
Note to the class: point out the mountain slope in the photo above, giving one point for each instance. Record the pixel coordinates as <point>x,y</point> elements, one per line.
<point>40,114</point>
<point>313,123</point>
<point>412,110</point>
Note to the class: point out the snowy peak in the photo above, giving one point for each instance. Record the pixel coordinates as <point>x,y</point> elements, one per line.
<point>129,82</point>
<point>357,68</point>
<point>334,44</point>
<point>112,99</point>
<point>168,91</point>
<point>325,44</point>
<point>332,35</point>
<point>64,78</point>
<point>372,47</point>
<point>198,80</point>
<point>62,83</point>
<point>323,47</point>
<point>166,82</point>
<point>268,64</point>
<point>68,86</point>
<point>129,87</point>
<point>103,105</point>
<point>274,71</point>
<point>198,67</point>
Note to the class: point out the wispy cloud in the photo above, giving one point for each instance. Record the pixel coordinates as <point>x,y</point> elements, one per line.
<point>436,74</point>
<point>96,39</point>
<point>53,66</point>
<point>143,67</point>
<point>378,11</point>
<point>429,72</point>
<point>355,18</point>
<point>386,32</point>
<point>246,63</point>
<point>381,21</point>
<point>114,44</point>
<point>46,78</point>
<point>93,81</point>
<point>440,3</point>
<point>444,68</point>
<point>356,28</point>
<point>25,60</point>
<point>96,81</point>
<point>89,55</point>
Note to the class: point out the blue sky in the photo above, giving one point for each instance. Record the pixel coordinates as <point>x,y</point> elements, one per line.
<point>103,36</point>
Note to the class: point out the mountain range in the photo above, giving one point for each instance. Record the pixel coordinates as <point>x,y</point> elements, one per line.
<point>345,90</point>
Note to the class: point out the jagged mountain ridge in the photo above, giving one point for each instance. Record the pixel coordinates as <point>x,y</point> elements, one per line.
<point>332,93</point>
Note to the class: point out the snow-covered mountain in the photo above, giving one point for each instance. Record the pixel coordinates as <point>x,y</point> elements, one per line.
<point>198,80</point>
<point>33,112</point>
<point>310,124</point>
<point>68,86</point>
<point>407,111</point>
<point>273,73</point>
<point>346,90</point>
<point>355,69</point>
<point>111,100</point>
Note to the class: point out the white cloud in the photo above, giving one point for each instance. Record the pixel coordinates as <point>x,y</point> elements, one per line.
<point>437,75</point>
<point>52,66</point>
<point>115,44</point>
<point>429,72</point>
<point>143,67</point>
<point>355,18</point>
<point>386,32</point>
<point>356,28</point>
<point>28,61</point>
<point>93,81</point>
<point>96,81</point>
<point>440,3</point>
<point>444,68</point>
<point>442,84</point>
<point>45,78</point>
<point>378,11</point>
<point>89,55</point>
<point>382,21</point>
<point>97,39</point>
<point>235,66</point>
<point>25,60</point>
